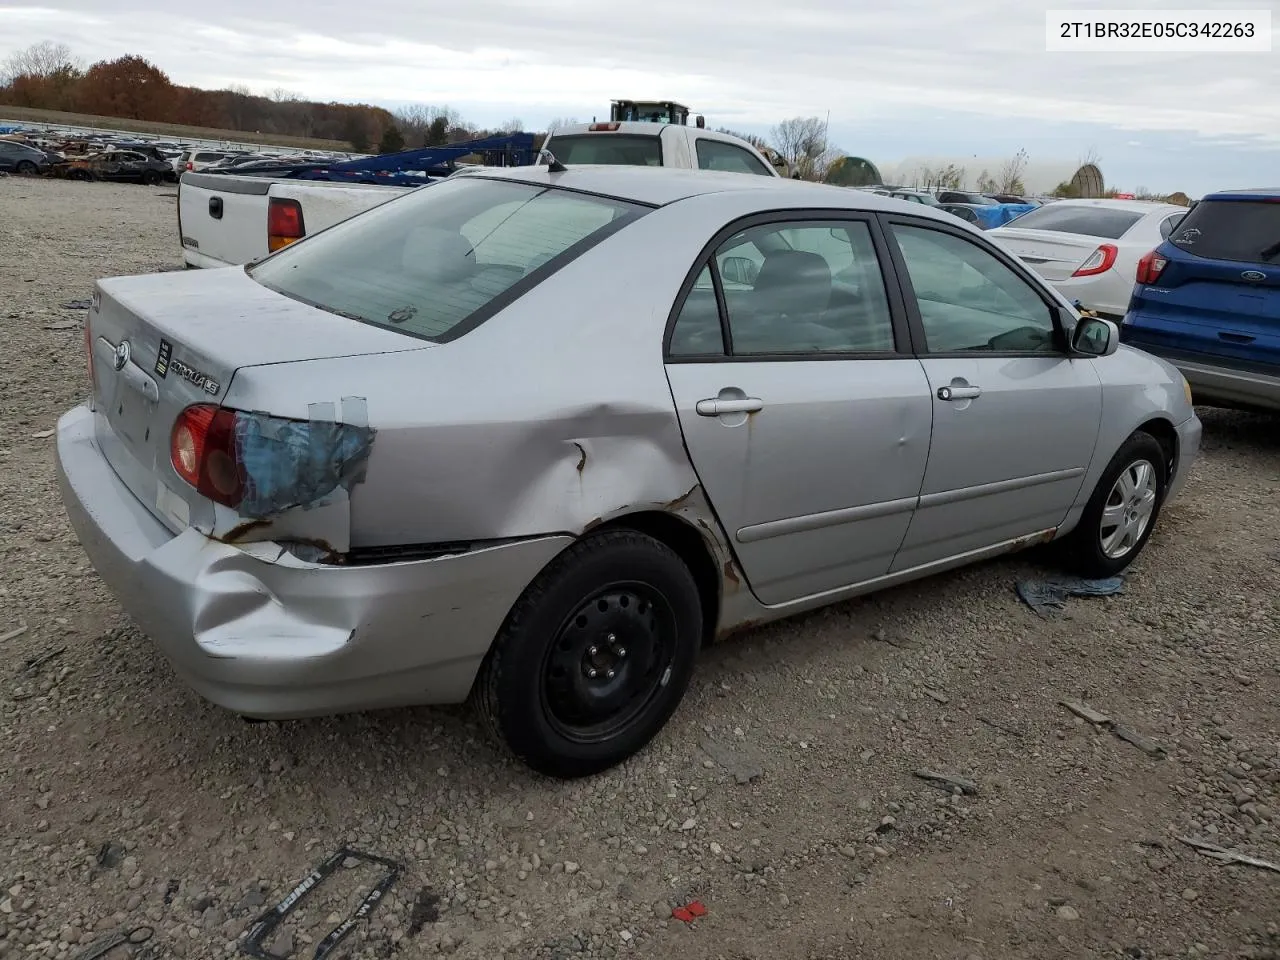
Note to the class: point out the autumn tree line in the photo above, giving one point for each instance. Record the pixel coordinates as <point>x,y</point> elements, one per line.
<point>48,76</point>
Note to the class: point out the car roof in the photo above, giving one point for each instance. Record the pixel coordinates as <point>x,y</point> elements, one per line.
<point>658,186</point>
<point>1246,193</point>
<point>1110,203</point>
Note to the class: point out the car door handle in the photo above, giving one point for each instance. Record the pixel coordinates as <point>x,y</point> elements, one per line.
<point>959,393</point>
<point>1236,337</point>
<point>716,407</point>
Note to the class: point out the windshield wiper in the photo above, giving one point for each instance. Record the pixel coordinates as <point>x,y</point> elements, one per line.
<point>1270,251</point>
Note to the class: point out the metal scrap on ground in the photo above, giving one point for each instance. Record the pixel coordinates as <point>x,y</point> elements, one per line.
<point>948,782</point>
<point>1048,597</point>
<point>1229,856</point>
<point>1127,734</point>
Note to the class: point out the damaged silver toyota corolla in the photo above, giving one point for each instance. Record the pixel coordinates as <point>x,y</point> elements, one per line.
<point>535,435</point>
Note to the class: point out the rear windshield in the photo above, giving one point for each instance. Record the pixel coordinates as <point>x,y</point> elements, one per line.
<point>436,262</point>
<point>1106,222</point>
<point>1243,230</point>
<point>627,149</point>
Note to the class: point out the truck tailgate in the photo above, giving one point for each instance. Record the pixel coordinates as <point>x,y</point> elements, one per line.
<point>325,203</point>
<point>223,217</point>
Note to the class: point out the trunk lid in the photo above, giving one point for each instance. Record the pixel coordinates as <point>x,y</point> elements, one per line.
<point>1053,255</point>
<point>164,341</point>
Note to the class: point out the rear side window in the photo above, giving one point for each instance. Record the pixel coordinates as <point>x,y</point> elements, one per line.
<point>436,262</point>
<point>1105,222</point>
<point>718,155</point>
<point>1244,230</point>
<point>624,149</point>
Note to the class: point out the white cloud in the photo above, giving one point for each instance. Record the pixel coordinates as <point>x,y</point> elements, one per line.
<point>741,64</point>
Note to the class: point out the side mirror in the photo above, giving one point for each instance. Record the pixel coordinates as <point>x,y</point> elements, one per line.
<point>1095,337</point>
<point>739,270</point>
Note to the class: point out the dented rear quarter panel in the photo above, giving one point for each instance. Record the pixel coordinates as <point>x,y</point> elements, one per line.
<point>550,417</point>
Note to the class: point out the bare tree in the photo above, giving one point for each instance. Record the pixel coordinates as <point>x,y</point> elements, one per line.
<point>1011,173</point>
<point>514,125</point>
<point>800,139</point>
<point>558,123</point>
<point>1090,157</point>
<point>987,183</point>
<point>951,177</point>
<point>281,95</point>
<point>41,60</point>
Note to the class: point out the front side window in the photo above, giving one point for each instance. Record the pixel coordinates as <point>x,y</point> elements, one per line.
<point>430,261</point>
<point>791,288</point>
<point>969,300</point>
<point>718,155</point>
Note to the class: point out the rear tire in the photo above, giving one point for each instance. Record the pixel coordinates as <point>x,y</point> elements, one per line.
<point>594,657</point>
<point>1119,517</point>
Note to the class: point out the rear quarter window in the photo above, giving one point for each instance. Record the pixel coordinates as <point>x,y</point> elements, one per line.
<point>1106,223</point>
<point>438,261</point>
<point>1243,230</point>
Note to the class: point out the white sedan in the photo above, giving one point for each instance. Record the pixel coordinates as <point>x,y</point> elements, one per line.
<point>1089,249</point>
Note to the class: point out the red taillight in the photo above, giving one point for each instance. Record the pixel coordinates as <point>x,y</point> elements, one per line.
<point>190,165</point>
<point>202,449</point>
<point>601,127</point>
<point>284,223</point>
<point>1150,267</point>
<point>1100,261</point>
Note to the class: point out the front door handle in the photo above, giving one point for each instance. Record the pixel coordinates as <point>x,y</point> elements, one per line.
<point>715,407</point>
<point>959,393</point>
<point>1236,337</point>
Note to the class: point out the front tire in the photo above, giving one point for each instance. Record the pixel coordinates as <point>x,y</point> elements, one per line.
<point>594,657</point>
<point>1119,517</point>
<point>151,178</point>
<point>26,168</point>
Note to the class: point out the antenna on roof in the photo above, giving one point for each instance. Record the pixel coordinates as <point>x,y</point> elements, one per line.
<point>548,159</point>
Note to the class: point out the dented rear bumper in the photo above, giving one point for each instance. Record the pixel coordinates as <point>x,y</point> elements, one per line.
<point>258,631</point>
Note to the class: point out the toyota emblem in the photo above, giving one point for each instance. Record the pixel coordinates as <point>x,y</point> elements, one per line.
<point>122,354</point>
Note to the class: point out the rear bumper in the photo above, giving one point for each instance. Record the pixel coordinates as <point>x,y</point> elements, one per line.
<point>197,260</point>
<point>257,631</point>
<point>1212,384</point>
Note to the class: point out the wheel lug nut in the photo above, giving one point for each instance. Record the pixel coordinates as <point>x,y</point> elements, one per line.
<point>592,673</point>
<point>592,650</point>
<point>622,651</point>
<point>610,675</point>
<point>612,638</point>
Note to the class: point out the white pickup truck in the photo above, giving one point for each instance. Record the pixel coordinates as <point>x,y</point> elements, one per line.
<point>229,219</point>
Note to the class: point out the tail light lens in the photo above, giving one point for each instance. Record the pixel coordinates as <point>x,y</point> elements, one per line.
<point>284,223</point>
<point>1150,267</point>
<point>190,165</point>
<point>203,450</point>
<point>604,127</point>
<point>1100,261</point>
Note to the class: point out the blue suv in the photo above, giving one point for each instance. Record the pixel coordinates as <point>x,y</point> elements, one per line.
<point>1208,300</point>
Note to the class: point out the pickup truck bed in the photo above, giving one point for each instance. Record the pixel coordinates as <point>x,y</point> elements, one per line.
<point>222,218</point>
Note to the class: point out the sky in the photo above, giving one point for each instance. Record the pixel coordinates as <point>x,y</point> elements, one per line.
<point>910,78</point>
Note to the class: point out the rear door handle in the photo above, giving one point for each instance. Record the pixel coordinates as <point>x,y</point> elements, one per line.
<point>959,393</point>
<point>716,407</point>
<point>1236,337</point>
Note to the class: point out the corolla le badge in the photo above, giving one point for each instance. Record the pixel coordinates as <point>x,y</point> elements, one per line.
<point>1253,276</point>
<point>122,354</point>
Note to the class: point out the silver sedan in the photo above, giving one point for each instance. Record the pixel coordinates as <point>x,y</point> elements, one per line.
<point>534,436</point>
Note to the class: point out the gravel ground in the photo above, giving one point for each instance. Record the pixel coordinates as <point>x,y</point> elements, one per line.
<point>126,801</point>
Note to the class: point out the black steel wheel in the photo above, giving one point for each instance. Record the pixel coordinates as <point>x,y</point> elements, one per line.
<point>594,657</point>
<point>151,178</point>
